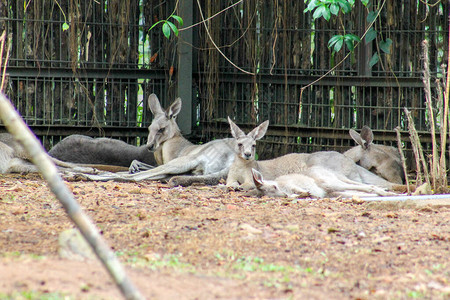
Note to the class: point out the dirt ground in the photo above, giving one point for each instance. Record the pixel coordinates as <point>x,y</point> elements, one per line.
<point>206,242</point>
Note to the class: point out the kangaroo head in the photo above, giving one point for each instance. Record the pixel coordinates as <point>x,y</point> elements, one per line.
<point>246,143</point>
<point>266,187</point>
<point>380,159</point>
<point>164,125</point>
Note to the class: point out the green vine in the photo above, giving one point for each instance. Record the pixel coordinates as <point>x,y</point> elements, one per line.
<point>65,26</point>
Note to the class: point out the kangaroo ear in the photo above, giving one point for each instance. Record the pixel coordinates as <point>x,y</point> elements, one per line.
<point>356,137</point>
<point>236,132</point>
<point>174,109</point>
<point>259,131</point>
<point>154,105</point>
<point>257,178</point>
<point>367,135</point>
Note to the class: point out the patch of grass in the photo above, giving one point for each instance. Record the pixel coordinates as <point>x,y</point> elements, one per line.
<point>11,254</point>
<point>20,255</point>
<point>33,295</point>
<point>252,264</point>
<point>275,275</point>
<point>8,198</point>
<point>415,294</point>
<point>156,261</point>
<point>256,264</point>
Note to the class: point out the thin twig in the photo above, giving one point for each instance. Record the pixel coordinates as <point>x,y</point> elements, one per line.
<point>16,126</point>
<point>446,104</point>
<point>442,111</point>
<point>418,151</point>
<point>427,86</point>
<point>8,45</point>
<point>274,33</point>
<point>402,157</point>
<point>213,16</point>
<point>215,46</point>
<point>2,44</point>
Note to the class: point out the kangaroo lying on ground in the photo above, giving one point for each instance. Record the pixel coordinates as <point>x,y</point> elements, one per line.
<point>240,174</point>
<point>383,160</point>
<point>105,151</point>
<point>208,162</point>
<point>14,159</point>
<point>317,182</point>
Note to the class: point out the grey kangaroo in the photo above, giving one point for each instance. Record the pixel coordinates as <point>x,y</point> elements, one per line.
<point>14,159</point>
<point>240,174</point>
<point>315,181</point>
<point>207,163</point>
<point>382,160</point>
<point>104,151</point>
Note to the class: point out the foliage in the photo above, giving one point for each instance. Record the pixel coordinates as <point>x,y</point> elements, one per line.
<point>326,8</point>
<point>337,41</point>
<point>169,26</point>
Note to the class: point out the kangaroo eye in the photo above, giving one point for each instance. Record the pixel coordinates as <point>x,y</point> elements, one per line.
<point>161,130</point>
<point>253,146</point>
<point>240,145</point>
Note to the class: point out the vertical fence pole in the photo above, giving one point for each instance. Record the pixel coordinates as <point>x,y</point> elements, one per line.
<point>185,67</point>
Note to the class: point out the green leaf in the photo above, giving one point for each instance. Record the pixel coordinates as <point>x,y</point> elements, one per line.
<point>155,24</point>
<point>179,19</point>
<point>350,45</point>
<point>373,61</point>
<point>326,13</point>
<point>65,26</point>
<point>311,6</point>
<point>352,37</point>
<point>338,45</point>
<point>334,9</point>
<point>166,30</point>
<point>345,5</point>
<point>173,27</point>
<point>318,12</point>
<point>350,40</point>
<point>365,2</point>
<point>371,35</point>
<point>385,46</point>
<point>334,39</point>
<point>371,16</point>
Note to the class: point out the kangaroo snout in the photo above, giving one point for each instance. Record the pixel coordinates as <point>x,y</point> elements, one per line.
<point>150,146</point>
<point>247,155</point>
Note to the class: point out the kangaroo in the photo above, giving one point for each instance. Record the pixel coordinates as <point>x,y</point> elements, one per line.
<point>383,160</point>
<point>14,159</point>
<point>317,182</point>
<point>206,163</point>
<point>240,174</point>
<point>104,151</point>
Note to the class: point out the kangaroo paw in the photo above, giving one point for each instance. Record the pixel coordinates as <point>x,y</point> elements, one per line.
<point>138,166</point>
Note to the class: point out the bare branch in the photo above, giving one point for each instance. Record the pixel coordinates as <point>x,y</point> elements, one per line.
<point>25,137</point>
<point>402,157</point>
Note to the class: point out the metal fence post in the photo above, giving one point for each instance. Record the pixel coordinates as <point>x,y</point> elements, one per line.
<point>185,67</point>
